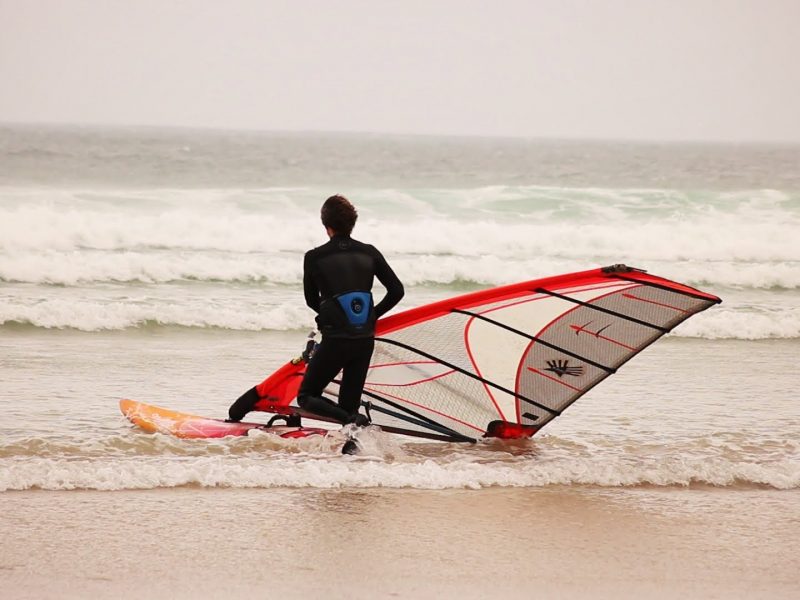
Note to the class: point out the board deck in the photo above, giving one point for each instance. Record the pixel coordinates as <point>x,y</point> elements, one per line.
<point>156,419</point>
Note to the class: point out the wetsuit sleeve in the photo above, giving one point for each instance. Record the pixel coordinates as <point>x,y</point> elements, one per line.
<point>394,287</point>
<point>309,286</point>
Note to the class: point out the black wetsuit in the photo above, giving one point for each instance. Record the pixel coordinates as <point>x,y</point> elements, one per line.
<point>337,282</point>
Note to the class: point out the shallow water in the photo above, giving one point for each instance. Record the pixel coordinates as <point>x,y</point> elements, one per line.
<point>684,412</point>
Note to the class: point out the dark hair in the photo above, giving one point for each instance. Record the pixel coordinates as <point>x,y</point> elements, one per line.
<point>339,214</point>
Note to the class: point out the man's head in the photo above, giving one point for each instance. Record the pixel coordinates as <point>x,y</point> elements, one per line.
<point>338,215</point>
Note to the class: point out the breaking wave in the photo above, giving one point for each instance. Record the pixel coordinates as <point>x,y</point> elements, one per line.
<point>97,260</point>
<point>144,461</point>
<point>78,268</point>
<point>728,321</point>
<point>316,472</point>
<point>525,222</point>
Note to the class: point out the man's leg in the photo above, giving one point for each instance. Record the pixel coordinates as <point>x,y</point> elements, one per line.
<point>355,373</point>
<point>324,366</point>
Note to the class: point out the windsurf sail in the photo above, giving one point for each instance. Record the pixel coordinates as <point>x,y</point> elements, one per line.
<point>504,362</point>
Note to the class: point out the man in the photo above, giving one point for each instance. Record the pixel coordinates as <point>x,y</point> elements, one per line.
<point>337,283</point>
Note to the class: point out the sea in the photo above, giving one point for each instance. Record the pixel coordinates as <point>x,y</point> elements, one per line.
<point>165,265</point>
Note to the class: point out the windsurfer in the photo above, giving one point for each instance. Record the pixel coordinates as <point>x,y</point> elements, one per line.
<point>337,283</point>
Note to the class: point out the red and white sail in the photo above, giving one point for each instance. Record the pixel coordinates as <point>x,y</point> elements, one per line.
<point>505,361</point>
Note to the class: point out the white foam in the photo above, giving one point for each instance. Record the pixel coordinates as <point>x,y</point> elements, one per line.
<point>197,242</point>
<point>94,315</point>
<point>286,311</point>
<point>76,268</point>
<point>134,460</point>
<point>574,224</point>
<point>304,471</point>
<point>743,324</point>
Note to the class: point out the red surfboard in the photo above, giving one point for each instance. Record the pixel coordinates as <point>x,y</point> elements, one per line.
<point>155,419</point>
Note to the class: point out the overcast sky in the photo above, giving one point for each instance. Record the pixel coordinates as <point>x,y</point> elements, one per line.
<point>636,69</point>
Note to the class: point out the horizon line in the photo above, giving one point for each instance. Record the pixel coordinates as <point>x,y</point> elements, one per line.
<point>395,134</point>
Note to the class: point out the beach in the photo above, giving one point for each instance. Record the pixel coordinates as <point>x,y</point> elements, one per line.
<point>556,542</point>
<point>166,266</point>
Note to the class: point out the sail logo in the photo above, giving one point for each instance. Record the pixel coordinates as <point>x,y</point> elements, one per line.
<point>579,329</point>
<point>561,368</point>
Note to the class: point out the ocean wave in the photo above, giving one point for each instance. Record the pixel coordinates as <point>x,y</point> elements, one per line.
<point>77,268</point>
<point>80,268</point>
<point>90,315</point>
<point>204,255</point>
<point>508,223</point>
<point>126,458</point>
<point>319,471</point>
<point>743,323</point>
<point>725,322</point>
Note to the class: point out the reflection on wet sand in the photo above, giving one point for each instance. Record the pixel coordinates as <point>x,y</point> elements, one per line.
<point>374,543</point>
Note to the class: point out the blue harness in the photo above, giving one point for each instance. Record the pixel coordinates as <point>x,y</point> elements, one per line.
<point>357,307</point>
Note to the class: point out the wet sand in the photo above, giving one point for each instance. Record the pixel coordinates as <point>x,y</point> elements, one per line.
<point>379,543</point>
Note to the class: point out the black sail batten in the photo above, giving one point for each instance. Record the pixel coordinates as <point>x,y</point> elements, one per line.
<point>422,434</point>
<point>609,370</point>
<point>424,421</point>
<point>468,374</point>
<point>607,311</point>
<point>412,417</point>
<point>660,286</point>
<point>446,433</point>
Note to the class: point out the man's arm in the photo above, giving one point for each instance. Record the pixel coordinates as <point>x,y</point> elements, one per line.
<point>394,287</point>
<point>309,286</point>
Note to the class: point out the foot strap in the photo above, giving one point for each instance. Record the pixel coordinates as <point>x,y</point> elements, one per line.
<point>290,420</point>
